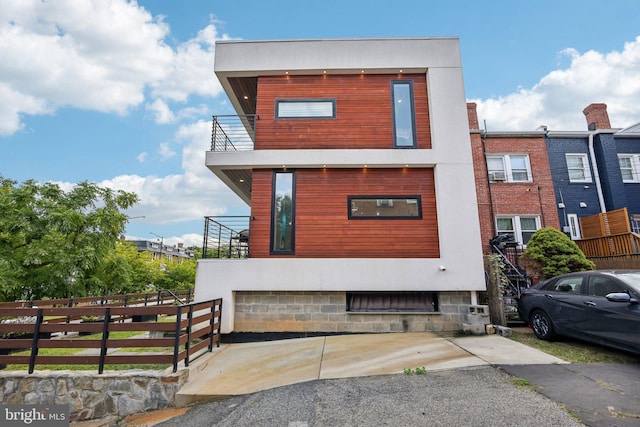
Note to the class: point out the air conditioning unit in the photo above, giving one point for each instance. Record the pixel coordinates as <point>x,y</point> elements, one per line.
<point>497,176</point>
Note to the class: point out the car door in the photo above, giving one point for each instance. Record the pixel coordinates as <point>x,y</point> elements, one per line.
<point>609,322</point>
<point>564,305</point>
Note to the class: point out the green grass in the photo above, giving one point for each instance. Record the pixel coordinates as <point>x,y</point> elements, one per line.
<point>575,351</point>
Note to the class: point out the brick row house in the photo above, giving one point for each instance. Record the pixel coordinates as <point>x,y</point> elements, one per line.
<point>359,174</point>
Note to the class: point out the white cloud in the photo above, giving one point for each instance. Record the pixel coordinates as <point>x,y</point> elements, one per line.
<point>558,99</point>
<point>96,55</point>
<point>165,151</point>
<point>188,196</point>
<point>142,157</point>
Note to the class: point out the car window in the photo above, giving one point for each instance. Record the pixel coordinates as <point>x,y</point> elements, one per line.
<point>602,286</point>
<point>566,284</point>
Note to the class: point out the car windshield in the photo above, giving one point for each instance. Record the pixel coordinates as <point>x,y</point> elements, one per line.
<point>631,279</point>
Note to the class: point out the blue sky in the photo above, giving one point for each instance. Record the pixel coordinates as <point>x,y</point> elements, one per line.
<point>121,93</point>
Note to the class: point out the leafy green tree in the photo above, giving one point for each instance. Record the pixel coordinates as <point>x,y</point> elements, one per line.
<point>51,238</point>
<point>551,253</point>
<point>178,275</point>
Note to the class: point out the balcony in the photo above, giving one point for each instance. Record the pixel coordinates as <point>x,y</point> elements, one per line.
<point>233,133</point>
<point>226,237</point>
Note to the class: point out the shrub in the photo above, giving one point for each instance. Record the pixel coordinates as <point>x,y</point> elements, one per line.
<point>551,253</point>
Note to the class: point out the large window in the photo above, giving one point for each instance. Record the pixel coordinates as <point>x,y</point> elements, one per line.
<point>385,207</point>
<point>629,167</point>
<point>404,122</point>
<point>283,213</point>
<point>578,167</point>
<point>306,108</point>
<point>521,228</point>
<point>509,168</point>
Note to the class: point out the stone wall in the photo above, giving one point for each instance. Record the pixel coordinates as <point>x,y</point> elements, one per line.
<point>90,395</point>
<point>326,312</point>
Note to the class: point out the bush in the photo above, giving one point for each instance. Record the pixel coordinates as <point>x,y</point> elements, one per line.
<point>551,253</point>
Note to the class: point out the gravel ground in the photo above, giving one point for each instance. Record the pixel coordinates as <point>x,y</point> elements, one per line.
<point>466,397</point>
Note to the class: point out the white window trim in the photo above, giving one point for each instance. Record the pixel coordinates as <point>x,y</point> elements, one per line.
<point>506,164</point>
<point>517,228</point>
<point>635,167</point>
<point>574,231</point>
<point>585,167</point>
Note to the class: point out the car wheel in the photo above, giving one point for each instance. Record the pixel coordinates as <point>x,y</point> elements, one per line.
<point>541,325</point>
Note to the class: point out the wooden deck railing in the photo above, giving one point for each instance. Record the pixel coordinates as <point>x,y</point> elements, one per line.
<point>617,244</point>
<point>193,330</point>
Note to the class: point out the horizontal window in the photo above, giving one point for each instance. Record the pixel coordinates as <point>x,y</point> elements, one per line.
<point>385,207</point>
<point>305,108</point>
<point>360,302</point>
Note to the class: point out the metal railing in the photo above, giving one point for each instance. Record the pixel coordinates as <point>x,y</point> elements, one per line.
<point>36,335</point>
<point>233,133</point>
<point>226,237</point>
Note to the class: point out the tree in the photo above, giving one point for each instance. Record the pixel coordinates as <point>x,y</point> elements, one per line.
<point>51,238</point>
<point>551,253</point>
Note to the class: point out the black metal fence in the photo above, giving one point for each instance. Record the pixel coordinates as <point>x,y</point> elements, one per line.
<point>226,237</point>
<point>233,133</point>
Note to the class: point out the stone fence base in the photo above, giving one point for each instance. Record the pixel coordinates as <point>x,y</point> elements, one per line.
<point>90,395</point>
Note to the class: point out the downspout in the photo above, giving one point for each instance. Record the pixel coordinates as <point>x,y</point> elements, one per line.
<point>596,174</point>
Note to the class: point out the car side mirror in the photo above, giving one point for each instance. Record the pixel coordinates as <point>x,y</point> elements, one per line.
<point>621,297</point>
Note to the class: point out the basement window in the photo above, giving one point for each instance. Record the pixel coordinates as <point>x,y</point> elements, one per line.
<point>306,108</point>
<point>392,302</point>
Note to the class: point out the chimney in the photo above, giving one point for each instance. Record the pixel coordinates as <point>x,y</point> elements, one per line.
<point>472,115</point>
<point>597,117</point>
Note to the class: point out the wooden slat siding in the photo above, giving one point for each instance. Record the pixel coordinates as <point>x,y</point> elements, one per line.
<point>605,224</point>
<point>363,112</point>
<point>323,229</point>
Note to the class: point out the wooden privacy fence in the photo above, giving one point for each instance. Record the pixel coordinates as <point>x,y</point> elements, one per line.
<point>179,331</point>
<point>123,300</point>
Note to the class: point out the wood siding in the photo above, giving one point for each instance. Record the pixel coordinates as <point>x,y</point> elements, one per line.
<point>323,229</point>
<point>363,112</point>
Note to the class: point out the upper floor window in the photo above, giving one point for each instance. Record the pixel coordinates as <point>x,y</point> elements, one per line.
<point>629,167</point>
<point>324,108</point>
<point>404,118</point>
<point>578,167</point>
<point>509,167</point>
<point>520,227</point>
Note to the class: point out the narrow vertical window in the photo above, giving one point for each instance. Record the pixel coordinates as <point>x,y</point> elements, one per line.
<point>283,213</point>
<point>404,129</point>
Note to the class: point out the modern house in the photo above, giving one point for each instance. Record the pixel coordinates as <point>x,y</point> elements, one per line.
<point>355,158</point>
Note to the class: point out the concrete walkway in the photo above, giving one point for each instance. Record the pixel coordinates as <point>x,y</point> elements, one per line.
<point>237,369</point>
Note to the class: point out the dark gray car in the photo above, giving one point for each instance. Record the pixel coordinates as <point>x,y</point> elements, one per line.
<point>598,306</point>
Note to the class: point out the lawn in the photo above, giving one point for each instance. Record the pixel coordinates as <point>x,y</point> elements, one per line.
<point>574,351</point>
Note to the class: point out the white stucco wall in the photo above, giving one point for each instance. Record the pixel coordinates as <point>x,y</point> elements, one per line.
<point>450,156</point>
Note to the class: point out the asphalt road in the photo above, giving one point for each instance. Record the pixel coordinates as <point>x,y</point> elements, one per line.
<point>484,396</point>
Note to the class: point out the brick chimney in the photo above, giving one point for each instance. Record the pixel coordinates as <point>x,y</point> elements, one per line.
<point>472,115</point>
<point>597,117</point>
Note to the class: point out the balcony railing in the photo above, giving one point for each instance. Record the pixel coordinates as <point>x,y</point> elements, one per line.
<point>233,133</point>
<point>226,237</point>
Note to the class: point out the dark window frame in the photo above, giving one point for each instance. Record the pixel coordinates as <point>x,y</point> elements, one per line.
<point>413,114</point>
<point>279,101</point>
<point>272,249</point>
<point>405,197</point>
<point>361,302</point>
